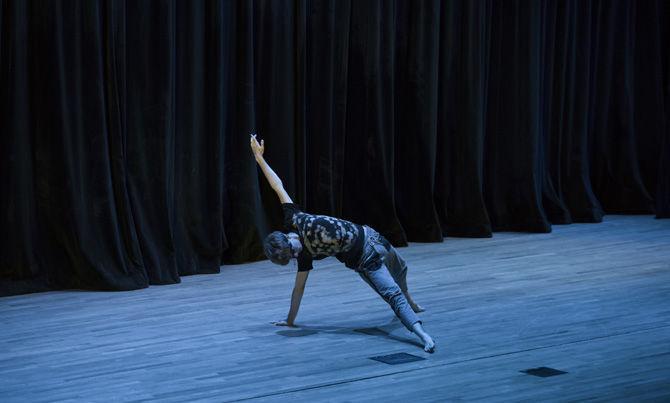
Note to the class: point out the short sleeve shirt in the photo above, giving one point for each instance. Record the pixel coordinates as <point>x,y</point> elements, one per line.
<point>323,236</point>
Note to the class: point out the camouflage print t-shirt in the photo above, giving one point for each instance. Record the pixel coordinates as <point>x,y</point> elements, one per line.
<point>323,236</point>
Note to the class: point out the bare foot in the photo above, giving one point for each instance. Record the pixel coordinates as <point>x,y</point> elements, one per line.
<point>429,346</point>
<point>417,308</point>
<point>428,343</point>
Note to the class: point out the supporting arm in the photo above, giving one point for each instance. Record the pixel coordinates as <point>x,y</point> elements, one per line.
<point>296,297</point>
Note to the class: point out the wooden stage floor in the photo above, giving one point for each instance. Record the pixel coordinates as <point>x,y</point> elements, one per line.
<point>592,300</point>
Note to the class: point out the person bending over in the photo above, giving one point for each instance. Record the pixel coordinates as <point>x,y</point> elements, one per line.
<point>360,248</point>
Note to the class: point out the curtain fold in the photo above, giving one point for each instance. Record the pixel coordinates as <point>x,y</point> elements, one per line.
<point>124,156</point>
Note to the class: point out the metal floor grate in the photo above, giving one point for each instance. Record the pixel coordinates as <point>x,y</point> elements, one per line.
<point>543,372</point>
<point>398,358</point>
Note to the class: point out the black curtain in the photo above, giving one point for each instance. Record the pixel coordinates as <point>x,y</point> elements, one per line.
<point>124,125</point>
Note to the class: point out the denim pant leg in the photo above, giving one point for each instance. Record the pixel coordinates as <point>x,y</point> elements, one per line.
<point>397,266</point>
<point>382,281</point>
<point>367,280</point>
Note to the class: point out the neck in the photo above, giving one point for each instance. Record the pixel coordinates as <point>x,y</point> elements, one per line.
<point>295,244</point>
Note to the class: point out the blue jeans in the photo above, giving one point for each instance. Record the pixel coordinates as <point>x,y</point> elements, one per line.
<point>386,272</point>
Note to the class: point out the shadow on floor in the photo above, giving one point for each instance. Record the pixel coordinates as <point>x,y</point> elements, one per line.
<point>379,331</point>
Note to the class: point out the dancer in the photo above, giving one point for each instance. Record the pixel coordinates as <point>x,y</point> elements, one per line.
<point>360,248</point>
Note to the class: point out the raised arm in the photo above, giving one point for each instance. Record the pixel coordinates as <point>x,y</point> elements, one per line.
<point>270,175</point>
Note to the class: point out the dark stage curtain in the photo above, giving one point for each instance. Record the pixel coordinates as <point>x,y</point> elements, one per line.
<point>124,125</point>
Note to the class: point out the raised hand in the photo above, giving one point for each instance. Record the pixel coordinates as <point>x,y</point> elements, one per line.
<point>257,148</point>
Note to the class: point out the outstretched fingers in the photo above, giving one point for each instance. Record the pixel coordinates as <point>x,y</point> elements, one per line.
<point>257,148</point>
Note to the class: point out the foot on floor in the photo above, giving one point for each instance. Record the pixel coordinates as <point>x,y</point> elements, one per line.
<point>417,308</point>
<point>429,346</point>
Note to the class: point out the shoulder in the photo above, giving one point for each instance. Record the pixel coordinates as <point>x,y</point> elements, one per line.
<point>291,208</point>
<point>292,215</point>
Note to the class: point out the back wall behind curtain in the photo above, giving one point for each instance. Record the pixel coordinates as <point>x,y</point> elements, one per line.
<point>124,125</point>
